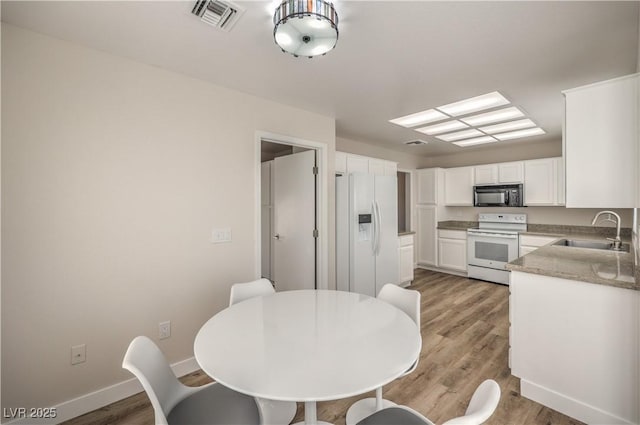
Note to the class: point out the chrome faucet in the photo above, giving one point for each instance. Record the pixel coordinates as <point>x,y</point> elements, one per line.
<point>617,242</point>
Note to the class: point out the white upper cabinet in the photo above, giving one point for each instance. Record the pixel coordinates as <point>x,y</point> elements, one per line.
<point>510,172</point>
<point>427,186</point>
<point>347,163</point>
<point>357,164</point>
<point>540,182</point>
<point>486,174</point>
<point>458,184</point>
<point>600,144</point>
<point>503,173</point>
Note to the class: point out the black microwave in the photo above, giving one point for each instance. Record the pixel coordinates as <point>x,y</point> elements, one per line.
<point>506,195</point>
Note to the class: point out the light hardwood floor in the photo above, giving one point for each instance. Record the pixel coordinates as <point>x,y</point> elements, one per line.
<point>465,340</point>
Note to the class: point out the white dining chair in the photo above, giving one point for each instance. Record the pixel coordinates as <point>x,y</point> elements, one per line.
<point>176,403</point>
<point>274,412</point>
<point>408,301</point>
<point>483,403</point>
<point>244,291</point>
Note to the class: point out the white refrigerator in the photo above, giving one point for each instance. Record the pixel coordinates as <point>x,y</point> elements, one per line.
<point>366,232</point>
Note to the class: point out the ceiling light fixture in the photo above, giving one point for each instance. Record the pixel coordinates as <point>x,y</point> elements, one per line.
<point>305,28</point>
<point>476,141</point>
<point>493,116</point>
<point>458,135</point>
<point>508,126</point>
<point>442,128</point>
<point>419,118</point>
<point>520,133</point>
<point>474,104</point>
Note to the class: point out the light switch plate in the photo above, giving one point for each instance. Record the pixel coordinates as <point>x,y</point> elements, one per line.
<point>221,235</point>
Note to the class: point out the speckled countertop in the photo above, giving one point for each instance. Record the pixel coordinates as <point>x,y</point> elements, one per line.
<point>456,225</point>
<point>406,233</point>
<point>587,265</point>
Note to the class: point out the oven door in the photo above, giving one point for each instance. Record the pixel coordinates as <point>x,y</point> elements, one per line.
<point>491,250</point>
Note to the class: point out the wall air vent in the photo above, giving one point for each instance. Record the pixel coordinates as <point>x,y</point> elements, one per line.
<point>416,142</point>
<point>217,13</point>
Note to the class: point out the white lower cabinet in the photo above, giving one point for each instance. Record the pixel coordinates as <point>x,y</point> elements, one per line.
<point>405,258</point>
<point>575,347</point>
<point>452,250</point>
<point>529,243</point>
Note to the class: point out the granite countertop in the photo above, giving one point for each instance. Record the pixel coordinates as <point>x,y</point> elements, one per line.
<point>406,233</point>
<point>587,265</point>
<point>456,225</point>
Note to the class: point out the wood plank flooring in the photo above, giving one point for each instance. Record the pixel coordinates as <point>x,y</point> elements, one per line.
<point>465,340</point>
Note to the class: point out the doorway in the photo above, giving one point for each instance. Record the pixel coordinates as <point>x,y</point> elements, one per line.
<point>290,245</point>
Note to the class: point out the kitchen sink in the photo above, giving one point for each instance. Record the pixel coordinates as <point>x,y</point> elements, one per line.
<point>577,243</point>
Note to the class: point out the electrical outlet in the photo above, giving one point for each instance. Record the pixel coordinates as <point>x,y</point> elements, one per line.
<point>78,354</point>
<point>221,235</point>
<point>164,329</point>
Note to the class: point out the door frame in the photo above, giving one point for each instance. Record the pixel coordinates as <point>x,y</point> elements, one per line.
<point>322,197</point>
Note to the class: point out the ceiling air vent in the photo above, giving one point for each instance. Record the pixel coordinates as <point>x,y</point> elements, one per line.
<point>220,14</point>
<point>416,142</point>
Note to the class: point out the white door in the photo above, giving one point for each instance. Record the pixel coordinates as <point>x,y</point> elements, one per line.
<point>294,222</point>
<point>386,255</point>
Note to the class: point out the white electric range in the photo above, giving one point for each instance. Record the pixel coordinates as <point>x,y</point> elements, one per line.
<point>493,244</point>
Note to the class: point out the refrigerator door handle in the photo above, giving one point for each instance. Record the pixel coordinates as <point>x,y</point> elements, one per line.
<point>374,228</point>
<point>378,221</point>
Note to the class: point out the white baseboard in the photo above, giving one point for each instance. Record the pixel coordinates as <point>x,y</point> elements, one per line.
<point>102,397</point>
<point>438,269</point>
<point>569,406</point>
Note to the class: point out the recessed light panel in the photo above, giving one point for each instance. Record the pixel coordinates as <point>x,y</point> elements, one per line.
<point>419,118</point>
<point>494,116</point>
<point>520,133</point>
<point>508,126</point>
<point>476,141</point>
<point>442,128</point>
<point>474,104</point>
<point>459,135</point>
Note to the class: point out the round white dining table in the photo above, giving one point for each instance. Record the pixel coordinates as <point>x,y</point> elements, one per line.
<point>307,346</point>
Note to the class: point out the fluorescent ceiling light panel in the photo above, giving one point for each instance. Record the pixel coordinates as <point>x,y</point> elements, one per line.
<point>508,126</point>
<point>494,116</point>
<point>520,133</point>
<point>465,134</point>
<point>476,141</point>
<point>474,104</point>
<point>442,128</point>
<point>419,118</point>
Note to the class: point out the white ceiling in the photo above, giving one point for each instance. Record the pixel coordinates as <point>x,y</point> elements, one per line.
<point>393,58</point>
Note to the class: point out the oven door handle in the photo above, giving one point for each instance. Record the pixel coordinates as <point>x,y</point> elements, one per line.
<point>494,235</point>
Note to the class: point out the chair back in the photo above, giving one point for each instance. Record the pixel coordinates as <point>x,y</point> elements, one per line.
<point>406,300</point>
<point>483,403</point>
<point>244,291</point>
<point>145,360</point>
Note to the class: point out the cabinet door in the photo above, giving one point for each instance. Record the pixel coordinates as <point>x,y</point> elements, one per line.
<point>376,167</point>
<point>510,172</point>
<point>458,186</point>
<point>427,237</point>
<point>357,164</point>
<point>390,168</point>
<point>486,174</point>
<point>341,162</point>
<point>452,254</point>
<point>560,182</point>
<point>540,182</point>
<point>427,186</point>
<point>600,144</point>
<point>406,263</point>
